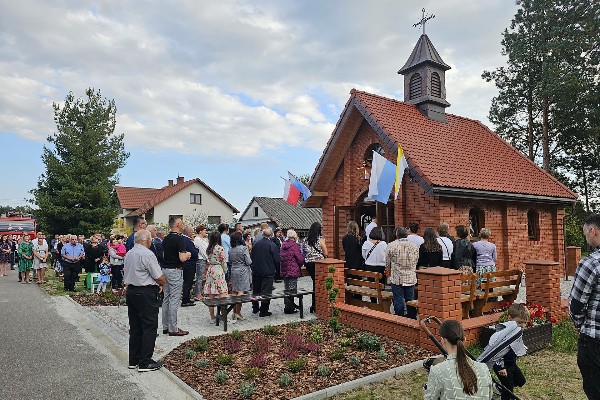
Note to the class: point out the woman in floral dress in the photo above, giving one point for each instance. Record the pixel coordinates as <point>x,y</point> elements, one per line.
<point>214,281</point>
<point>25,257</point>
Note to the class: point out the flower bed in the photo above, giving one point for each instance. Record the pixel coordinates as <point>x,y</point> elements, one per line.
<point>286,361</point>
<point>107,298</point>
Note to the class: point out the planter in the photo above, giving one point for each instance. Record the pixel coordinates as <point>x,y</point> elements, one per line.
<point>536,337</point>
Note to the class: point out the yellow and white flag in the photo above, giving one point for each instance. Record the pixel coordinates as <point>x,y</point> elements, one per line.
<point>401,165</point>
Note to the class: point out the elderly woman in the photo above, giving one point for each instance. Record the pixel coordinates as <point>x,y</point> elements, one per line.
<point>241,275</point>
<point>291,262</point>
<point>25,258</point>
<point>486,255</point>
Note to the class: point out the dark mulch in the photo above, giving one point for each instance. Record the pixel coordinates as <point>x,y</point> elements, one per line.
<point>107,298</point>
<point>188,364</point>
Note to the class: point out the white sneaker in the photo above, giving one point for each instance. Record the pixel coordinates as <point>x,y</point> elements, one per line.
<point>232,321</point>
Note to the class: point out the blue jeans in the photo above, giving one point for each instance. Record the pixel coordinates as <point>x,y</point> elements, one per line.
<point>402,294</point>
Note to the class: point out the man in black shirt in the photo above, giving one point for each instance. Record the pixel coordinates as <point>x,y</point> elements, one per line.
<point>189,267</point>
<point>265,257</point>
<point>174,255</point>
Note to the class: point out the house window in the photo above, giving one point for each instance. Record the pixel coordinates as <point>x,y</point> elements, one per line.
<point>436,85</point>
<point>214,219</point>
<point>476,221</point>
<point>256,211</point>
<point>533,225</point>
<point>415,86</point>
<point>195,198</point>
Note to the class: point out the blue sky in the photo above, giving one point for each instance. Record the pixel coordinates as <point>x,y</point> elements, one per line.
<point>232,92</point>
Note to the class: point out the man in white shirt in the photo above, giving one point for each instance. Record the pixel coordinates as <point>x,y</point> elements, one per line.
<point>369,228</point>
<point>447,245</point>
<point>201,243</point>
<point>413,236</point>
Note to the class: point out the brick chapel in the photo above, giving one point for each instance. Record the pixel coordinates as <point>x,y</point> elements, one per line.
<point>459,171</point>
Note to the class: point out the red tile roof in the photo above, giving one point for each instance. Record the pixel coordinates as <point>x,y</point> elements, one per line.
<point>461,153</point>
<point>157,196</point>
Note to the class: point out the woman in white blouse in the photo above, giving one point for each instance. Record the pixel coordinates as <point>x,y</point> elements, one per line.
<point>373,252</point>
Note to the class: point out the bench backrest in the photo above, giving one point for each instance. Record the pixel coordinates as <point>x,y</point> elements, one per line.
<point>352,276</point>
<point>501,280</point>
<point>468,283</point>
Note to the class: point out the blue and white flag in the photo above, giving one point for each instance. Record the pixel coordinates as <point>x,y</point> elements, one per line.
<point>383,176</point>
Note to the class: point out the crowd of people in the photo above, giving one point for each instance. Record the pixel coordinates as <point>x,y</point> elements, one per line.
<point>399,259</point>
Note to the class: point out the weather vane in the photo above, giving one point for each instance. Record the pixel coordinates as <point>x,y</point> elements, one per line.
<point>424,20</point>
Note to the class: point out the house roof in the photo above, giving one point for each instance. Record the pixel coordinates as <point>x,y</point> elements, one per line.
<point>423,52</point>
<point>286,215</point>
<point>444,157</point>
<point>156,196</point>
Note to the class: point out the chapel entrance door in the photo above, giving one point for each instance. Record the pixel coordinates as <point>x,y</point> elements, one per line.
<point>342,215</point>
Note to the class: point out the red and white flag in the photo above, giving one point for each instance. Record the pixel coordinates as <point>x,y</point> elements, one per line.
<point>291,194</point>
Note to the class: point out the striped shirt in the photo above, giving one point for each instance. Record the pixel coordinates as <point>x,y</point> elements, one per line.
<point>401,260</point>
<point>584,300</point>
<point>444,382</point>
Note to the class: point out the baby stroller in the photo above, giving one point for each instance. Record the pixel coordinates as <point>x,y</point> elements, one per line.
<point>485,357</point>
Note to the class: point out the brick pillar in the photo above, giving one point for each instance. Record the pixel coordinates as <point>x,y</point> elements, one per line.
<point>542,280</point>
<point>439,296</point>
<point>322,306</point>
<point>573,256</point>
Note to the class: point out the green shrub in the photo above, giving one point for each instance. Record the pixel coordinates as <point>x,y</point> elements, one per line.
<point>335,312</point>
<point>296,365</point>
<point>329,282</point>
<point>201,344</point>
<point>564,337</point>
<point>190,354</point>
<point>250,373</point>
<point>382,355</point>
<point>236,335</point>
<point>270,330</point>
<point>354,361</point>
<point>350,333</point>
<point>246,390</point>
<point>322,370</point>
<point>315,334</point>
<point>294,324</point>
<point>313,321</point>
<point>331,269</point>
<point>368,342</point>
<point>285,380</point>
<point>224,359</point>
<point>401,351</point>
<point>345,342</point>
<point>221,377</point>
<point>334,324</point>
<point>202,363</point>
<point>333,294</point>
<point>338,353</point>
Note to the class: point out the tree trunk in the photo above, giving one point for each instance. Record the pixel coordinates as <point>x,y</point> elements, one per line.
<point>530,126</point>
<point>585,188</point>
<point>545,142</point>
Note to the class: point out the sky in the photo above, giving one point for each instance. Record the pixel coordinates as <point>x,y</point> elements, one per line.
<point>235,93</point>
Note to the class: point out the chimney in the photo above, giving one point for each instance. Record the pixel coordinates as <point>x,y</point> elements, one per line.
<point>170,182</point>
<point>179,179</point>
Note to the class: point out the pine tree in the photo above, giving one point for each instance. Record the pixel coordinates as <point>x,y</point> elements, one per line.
<point>76,193</point>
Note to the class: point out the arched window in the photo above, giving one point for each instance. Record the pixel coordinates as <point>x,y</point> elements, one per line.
<point>476,221</point>
<point>436,85</point>
<point>533,224</point>
<point>415,86</point>
<point>369,152</point>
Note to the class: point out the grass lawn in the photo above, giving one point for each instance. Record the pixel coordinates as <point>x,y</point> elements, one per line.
<point>55,287</point>
<point>551,374</point>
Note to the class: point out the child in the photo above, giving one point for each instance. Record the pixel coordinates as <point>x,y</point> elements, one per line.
<point>104,277</point>
<point>505,362</point>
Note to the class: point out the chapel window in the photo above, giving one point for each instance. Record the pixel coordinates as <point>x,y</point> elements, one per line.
<point>476,221</point>
<point>415,88</point>
<point>533,224</point>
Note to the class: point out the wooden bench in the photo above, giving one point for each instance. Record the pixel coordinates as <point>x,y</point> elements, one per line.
<point>503,284</point>
<point>354,285</point>
<point>468,294</point>
<point>225,304</point>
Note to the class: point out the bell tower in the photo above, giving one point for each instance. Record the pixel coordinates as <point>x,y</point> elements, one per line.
<point>425,77</point>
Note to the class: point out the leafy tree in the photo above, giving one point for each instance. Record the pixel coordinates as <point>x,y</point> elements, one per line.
<point>76,193</point>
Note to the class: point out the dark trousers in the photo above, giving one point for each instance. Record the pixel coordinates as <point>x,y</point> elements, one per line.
<point>514,377</point>
<point>588,360</point>
<point>70,271</point>
<point>189,271</point>
<point>402,294</point>
<point>142,310</point>
<point>310,267</point>
<point>262,285</point>
<point>117,276</point>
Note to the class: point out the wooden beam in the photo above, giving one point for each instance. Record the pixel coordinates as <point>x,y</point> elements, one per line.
<point>320,194</point>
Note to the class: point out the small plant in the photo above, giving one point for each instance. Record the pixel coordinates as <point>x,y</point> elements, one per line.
<point>313,321</point>
<point>232,346</point>
<point>382,355</point>
<point>250,373</point>
<point>322,370</point>
<point>236,335</point>
<point>288,353</point>
<point>401,351</point>
<point>190,354</point>
<point>294,324</point>
<point>333,294</point>
<point>296,365</point>
<point>201,363</point>
<point>270,330</point>
<point>246,390</point>
<point>335,312</point>
<point>260,345</point>
<point>354,361</point>
<point>368,342</point>
<point>345,342</point>
<point>201,344</point>
<point>258,360</point>
<point>331,269</point>
<point>334,324</point>
<point>338,353</point>
<point>310,347</point>
<point>221,377</point>
<point>315,334</point>
<point>329,282</point>
<point>350,333</point>
<point>224,359</point>
<point>285,380</point>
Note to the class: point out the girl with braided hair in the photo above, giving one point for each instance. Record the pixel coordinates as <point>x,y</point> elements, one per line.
<point>459,377</point>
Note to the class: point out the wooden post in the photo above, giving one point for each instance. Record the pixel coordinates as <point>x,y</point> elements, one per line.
<point>542,280</point>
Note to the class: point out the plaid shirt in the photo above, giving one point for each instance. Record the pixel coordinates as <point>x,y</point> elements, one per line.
<point>586,291</point>
<point>401,260</point>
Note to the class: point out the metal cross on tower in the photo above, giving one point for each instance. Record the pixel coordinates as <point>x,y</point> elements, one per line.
<point>424,20</point>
